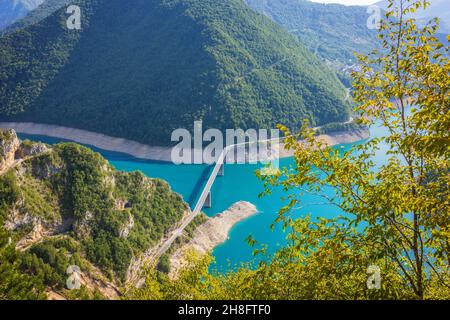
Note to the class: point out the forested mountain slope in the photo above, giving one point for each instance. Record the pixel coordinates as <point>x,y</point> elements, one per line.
<point>139,69</point>
<point>332,31</point>
<point>13,10</point>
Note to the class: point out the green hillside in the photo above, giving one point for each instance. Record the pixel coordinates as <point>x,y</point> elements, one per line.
<point>139,69</point>
<point>66,205</point>
<point>332,31</point>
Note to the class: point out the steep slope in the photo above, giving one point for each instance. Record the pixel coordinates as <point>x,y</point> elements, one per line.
<point>13,10</point>
<point>139,69</point>
<point>332,31</point>
<point>65,205</point>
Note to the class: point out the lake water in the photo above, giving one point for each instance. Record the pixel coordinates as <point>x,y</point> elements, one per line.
<point>239,183</point>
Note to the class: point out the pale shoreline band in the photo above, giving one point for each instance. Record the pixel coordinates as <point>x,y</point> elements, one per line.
<point>139,150</point>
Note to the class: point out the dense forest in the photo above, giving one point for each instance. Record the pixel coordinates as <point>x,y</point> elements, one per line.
<point>139,69</point>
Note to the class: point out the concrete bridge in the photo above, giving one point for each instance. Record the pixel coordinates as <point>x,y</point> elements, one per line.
<point>205,199</point>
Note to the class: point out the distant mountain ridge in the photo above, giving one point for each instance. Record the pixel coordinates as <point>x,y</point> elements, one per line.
<point>37,13</point>
<point>13,10</point>
<point>437,8</point>
<point>139,69</point>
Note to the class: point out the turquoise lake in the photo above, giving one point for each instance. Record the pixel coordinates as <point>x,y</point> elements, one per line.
<point>239,183</point>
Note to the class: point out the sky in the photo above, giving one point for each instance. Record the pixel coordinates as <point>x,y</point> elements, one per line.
<point>348,2</point>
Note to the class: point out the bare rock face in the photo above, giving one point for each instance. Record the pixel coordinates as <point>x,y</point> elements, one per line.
<point>38,233</point>
<point>39,229</point>
<point>34,149</point>
<point>9,143</point>
<point>46,171</point>
<point>17,219</point>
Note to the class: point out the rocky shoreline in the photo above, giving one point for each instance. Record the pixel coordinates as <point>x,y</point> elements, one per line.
<point>211,233</point>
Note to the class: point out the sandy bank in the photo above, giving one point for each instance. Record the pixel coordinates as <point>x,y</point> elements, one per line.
<point>345,137</point>
<point>144,151</point>
<point>212,233</point>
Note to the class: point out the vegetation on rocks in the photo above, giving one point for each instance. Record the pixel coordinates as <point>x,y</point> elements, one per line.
<point>62,208</point>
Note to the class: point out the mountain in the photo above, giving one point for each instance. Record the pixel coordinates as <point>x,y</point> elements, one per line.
<point>46,8</point>
<point>437,8</point>
<point>13,10</point>
<point>66,205</point>
<point>332,31</point>
<point>139,69</point>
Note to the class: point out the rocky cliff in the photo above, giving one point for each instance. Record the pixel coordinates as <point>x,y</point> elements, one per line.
<point>9,143</point>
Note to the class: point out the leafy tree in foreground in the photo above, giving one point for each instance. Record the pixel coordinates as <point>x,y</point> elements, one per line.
<point>402,206</point>
<point>398,215</point>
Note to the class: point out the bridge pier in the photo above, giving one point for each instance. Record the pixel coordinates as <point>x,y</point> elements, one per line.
<point>208,201</point>
<point>221,172</point>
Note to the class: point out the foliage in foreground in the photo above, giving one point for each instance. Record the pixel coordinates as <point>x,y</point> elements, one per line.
<point>397,213</point>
